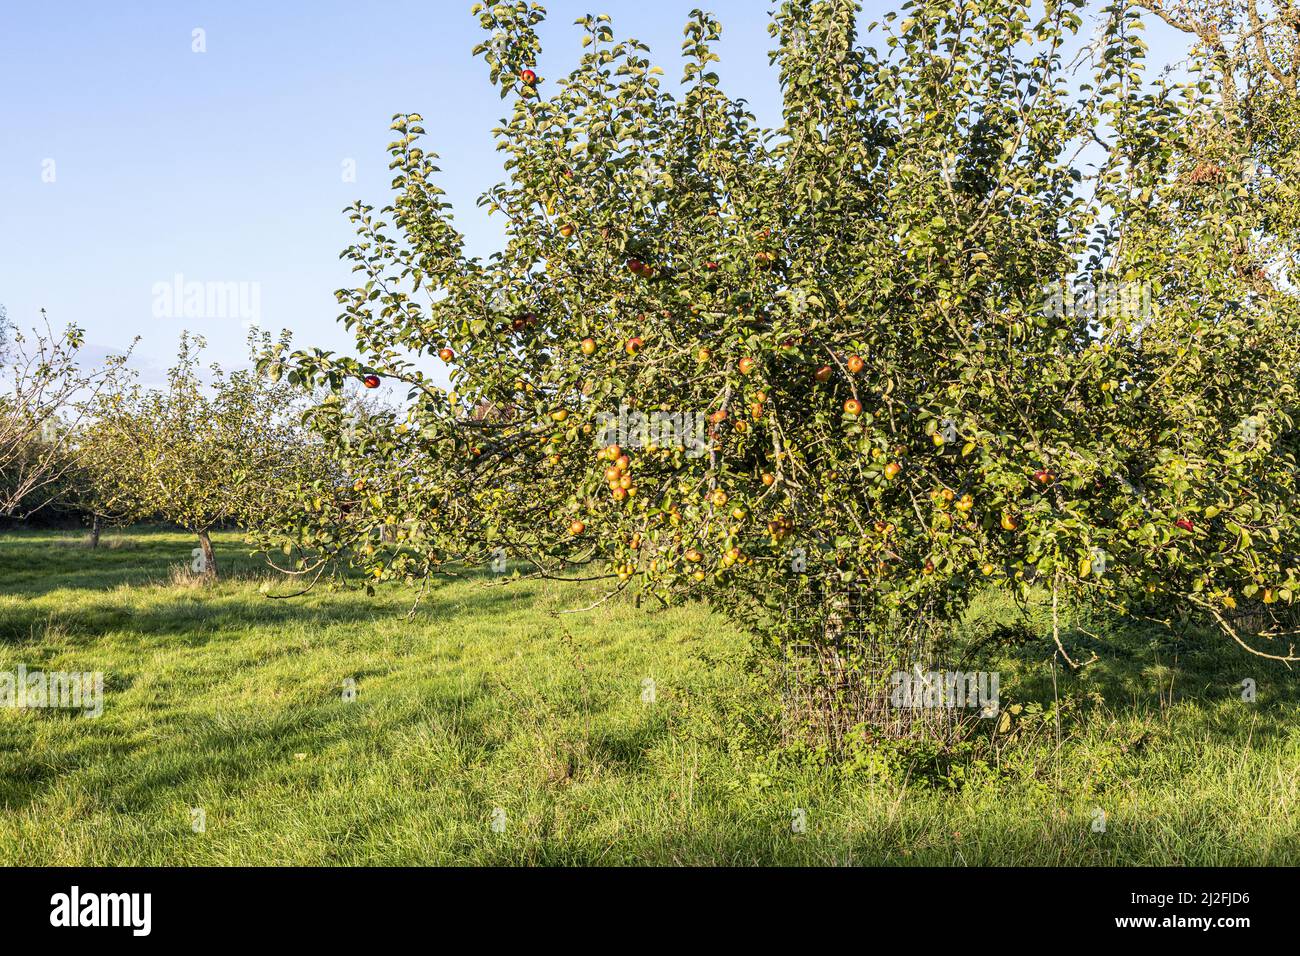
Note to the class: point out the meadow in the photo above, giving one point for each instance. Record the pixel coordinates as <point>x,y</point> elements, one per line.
<point>478,725</point>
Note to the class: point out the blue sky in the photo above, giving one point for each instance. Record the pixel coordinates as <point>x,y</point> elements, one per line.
<point>130,159</point>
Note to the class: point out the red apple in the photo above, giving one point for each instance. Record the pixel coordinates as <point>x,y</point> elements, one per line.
<point>371,381</point>
<point>588,346</point>
<point>853,407</point>
<point>856,364</point>
<point>529,77</point>
<point>746,365</point>
<point>446,354</point>
<point>634,345</point>
<point>823,373</point>
<point>1185,523</point>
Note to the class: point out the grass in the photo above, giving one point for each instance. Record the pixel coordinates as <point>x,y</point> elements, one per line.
<point>225,699</point>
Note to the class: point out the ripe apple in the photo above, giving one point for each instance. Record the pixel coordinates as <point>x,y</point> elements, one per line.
<point>965,503</point>
<point>559,415</point>
<point>711,266</point>
<point>613,474</point>
<point>764,260</point>
<point>892,470</point>
<point>529,77</point>
<point>719,498</point>
<point>693,556</point>
<point>612,452</point>
<point>371,381</point>
<point>704,355</point>
<point>588,346</point>
<point>1185,523</point>
<point>768,478</point>
<point>856,364</point>
<point>635,266</point>
<point>566,230</point>
<point>756,410</point>
<point>634,345</point>
<point>1043,476</point>
<point>823,374</point>
<point>576,528</point>
<point>1009,523</point>
<point>853,407</point>
<point>746,365</point>
<point>446,354</point>
<point>929,568</point>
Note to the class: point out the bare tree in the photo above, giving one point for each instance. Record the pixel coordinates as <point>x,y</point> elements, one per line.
<point>44,396</point>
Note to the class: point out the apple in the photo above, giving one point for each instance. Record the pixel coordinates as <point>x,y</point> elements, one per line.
<point>576,528</point>
<point>764,260</point>
<point>528,77</point>
<point>823,374</point>
<point>566,230</point>
<point>693,556</point>
<point>746,365</point>
<point>853,407</point>
<point>965,503</point>
<point>892,470</point>
<point>711,266</point>
<point>634,345</point>
<point>756,410</point>
<point>1185,523</point>
<point>768,478</point>
<point>719,416</point>
<point>704,355</point>
<point>622,462</point>
<point>371,381</point>
<point>446,354</point>
<point>559,415</point>
<point>929,568</point>
<point>612,452</point>
<point>1009,522</point>
<point>1043,476</point>
<point>635,266</point>
<point>612,474</point>
<point>856,364</point>
<point>588,346</point>
<point>620,494</point>
<point>719,498</point>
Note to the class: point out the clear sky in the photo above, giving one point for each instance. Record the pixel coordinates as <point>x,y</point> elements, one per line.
<point>129,159</point>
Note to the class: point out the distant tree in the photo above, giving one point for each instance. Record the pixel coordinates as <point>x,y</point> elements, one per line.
<point>44,392</point>
<point>196,454</point>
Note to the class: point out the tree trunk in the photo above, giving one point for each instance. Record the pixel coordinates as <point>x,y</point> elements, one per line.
<point>209,556</point>
<point>94,532</point>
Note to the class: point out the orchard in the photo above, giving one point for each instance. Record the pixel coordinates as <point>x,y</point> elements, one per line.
<point>992,307</point>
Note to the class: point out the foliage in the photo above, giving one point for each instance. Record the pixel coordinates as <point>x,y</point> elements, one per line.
<point>881,309</point>
<point>197,454</point>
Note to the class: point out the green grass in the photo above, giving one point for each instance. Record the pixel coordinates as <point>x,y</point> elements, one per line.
<point>229,700</point>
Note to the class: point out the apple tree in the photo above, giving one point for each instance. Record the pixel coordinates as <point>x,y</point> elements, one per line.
<point>971,315</point>
<point>195,453</point>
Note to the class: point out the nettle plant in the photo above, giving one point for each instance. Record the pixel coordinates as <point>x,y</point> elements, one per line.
<point>962,320</point>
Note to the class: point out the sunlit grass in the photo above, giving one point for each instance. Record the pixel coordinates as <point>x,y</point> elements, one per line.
<point>232,701</point>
